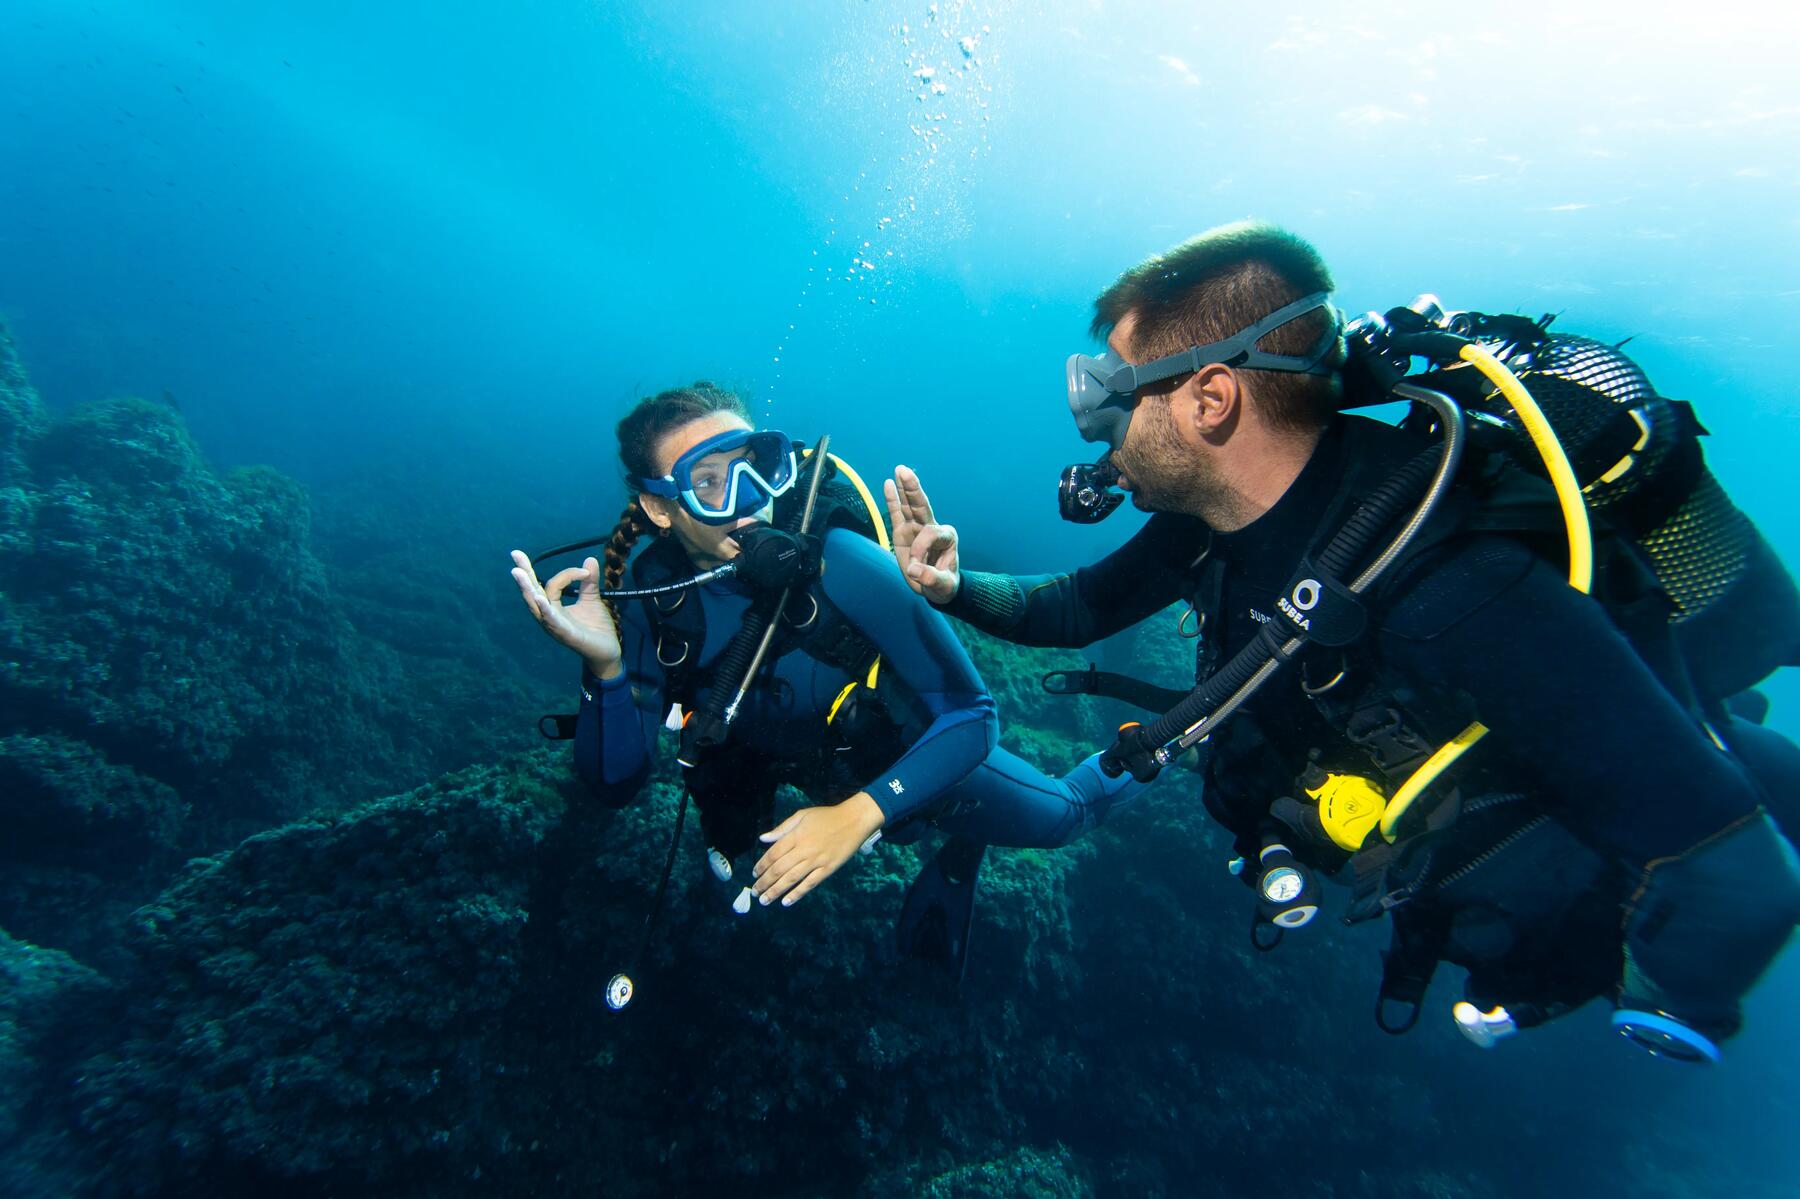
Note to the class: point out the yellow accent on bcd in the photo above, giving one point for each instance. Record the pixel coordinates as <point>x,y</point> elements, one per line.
<point>1424,776</point>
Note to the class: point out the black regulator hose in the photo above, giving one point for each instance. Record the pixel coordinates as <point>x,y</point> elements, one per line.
<point>708,727</point>
<point>1145,749</point>
<point>1372,516</point>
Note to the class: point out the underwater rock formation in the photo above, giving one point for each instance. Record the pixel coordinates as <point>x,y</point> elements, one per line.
<point>176,668</point>
<point>49,1003</point>
<point>21,416</point>
<point>406,999</point>
<point>318,1000</point>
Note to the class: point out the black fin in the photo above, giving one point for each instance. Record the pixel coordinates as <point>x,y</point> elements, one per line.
<point>939,911</point>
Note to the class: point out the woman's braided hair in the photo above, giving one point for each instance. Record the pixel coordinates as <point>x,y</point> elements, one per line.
<point>648,422</point>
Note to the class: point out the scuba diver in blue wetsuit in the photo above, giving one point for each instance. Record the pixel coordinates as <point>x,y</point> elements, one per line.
<point>767,623</point>
<point>1490,668</point>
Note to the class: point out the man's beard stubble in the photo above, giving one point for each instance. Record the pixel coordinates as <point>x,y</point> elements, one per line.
<point>1166,478</point>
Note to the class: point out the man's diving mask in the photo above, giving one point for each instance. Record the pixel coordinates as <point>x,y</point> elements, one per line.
<point>729,476</point>
<point>1103,390</point>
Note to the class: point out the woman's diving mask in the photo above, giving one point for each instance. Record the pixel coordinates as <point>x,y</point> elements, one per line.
<point>730,476</point>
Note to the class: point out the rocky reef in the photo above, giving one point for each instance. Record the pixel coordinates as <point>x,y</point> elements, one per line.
<point>407,999</point>
<point>177,668</point>
<point>50,1005</point>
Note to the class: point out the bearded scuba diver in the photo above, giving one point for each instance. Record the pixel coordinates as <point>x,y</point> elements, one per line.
<point>1486,668</point>
<point>765,625</point>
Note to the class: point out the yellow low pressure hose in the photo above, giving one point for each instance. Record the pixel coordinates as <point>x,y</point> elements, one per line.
<point>862,490</point>
<point>1562,475</point>
<point>881,536</point>
<point>1581,559</point>
<point>868,499</point>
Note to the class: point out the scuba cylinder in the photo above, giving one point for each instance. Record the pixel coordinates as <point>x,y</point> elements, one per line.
<point>1637,462</point>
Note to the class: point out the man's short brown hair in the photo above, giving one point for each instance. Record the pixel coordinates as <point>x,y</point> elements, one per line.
<point>1214,285</point>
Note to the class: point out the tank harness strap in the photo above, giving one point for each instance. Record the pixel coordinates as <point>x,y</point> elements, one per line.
<point>677,621</point>
<point>1651,505</point>
<point>1108,685</point>
<point>1372,893</point>
<point>1204,605</point>
<point>680,634</point>
<point>832,638</point>
<point>1368,881</point>
<point>1406,969</point>
<point>1209,600</point>
<point>1377,725</point>
<point>1608,450</point>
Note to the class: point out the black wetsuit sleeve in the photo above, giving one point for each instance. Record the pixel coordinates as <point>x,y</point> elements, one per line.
<point>616,728</point>
<point>1568,701</point>
<point>1140,578</point>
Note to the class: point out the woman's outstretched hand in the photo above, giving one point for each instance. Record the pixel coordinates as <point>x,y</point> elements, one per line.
<point>586,626</point>
<point>925,549</point>
<point>809,846</point>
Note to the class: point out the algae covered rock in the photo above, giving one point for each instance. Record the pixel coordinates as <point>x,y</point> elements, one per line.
<point>317,1000</point>
<point>48,1002</point>
<point>68,803</point>
<point>22,417</point>
<point>1026,1173</point>
<point>177,668</point>
<point>165,614</point>
<point>409,996</point>
<point>407,999</point>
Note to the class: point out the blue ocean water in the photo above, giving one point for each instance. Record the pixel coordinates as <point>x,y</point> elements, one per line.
<point>445,243</point>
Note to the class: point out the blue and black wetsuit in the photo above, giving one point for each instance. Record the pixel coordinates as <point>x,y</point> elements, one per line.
<point>929,753</point>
